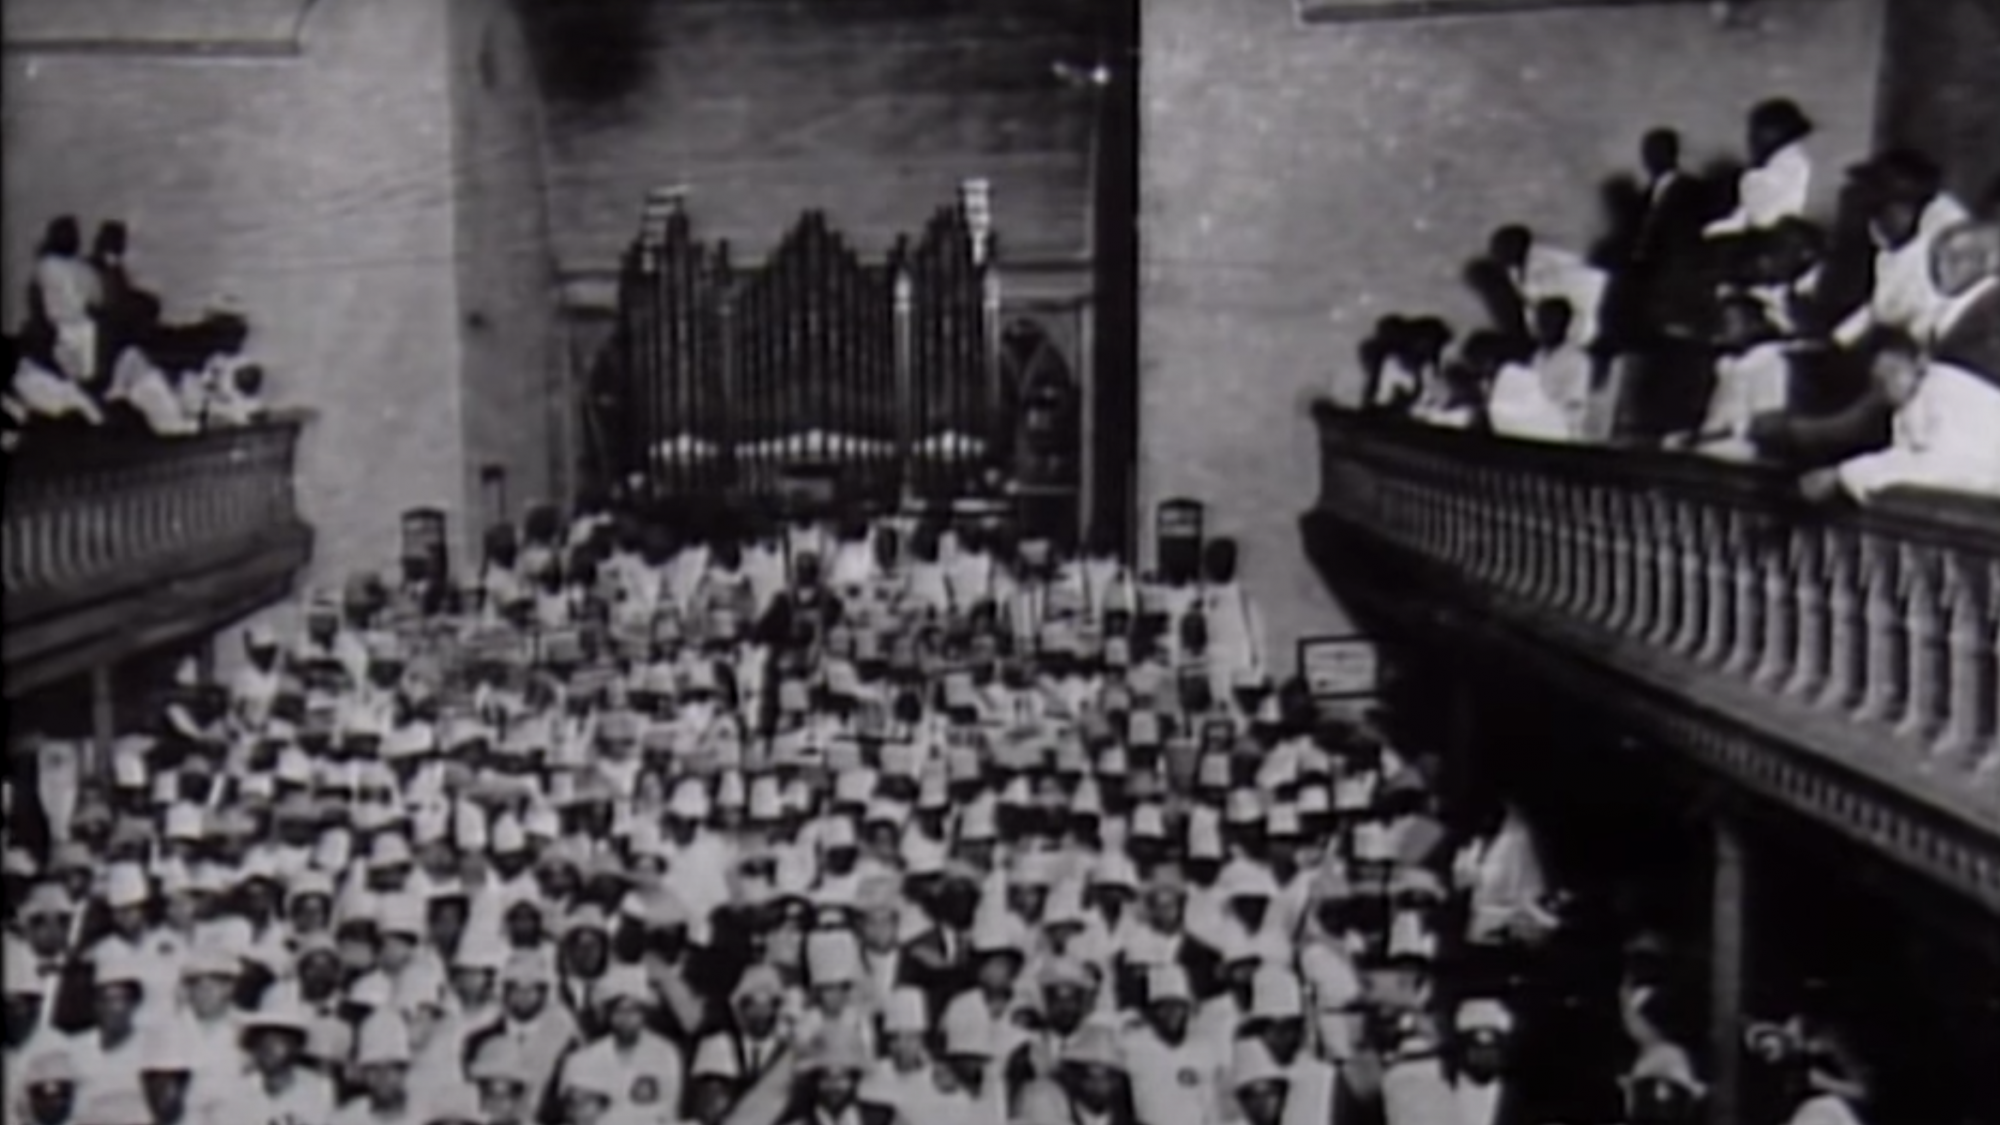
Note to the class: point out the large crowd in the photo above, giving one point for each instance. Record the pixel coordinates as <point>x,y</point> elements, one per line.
<point>1716,318</point>
<point>96,351</point>
<point>825,826</point>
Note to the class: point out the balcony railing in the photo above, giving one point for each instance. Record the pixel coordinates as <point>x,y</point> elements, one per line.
<point>1867,636</point>
<point>96,521</point>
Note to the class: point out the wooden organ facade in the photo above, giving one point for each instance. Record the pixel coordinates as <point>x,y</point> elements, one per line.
<point>818,379</point>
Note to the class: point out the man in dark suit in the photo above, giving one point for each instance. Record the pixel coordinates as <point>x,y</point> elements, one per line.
<point>939,960</point>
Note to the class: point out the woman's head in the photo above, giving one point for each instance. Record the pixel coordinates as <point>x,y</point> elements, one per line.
<point>1965,255</point>
<point>63,238</point>
<point>1775,124</point>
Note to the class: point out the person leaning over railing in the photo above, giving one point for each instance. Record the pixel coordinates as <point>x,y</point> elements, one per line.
<point>1945,433</point>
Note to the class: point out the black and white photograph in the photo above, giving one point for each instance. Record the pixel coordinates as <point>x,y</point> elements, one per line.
<point>1000,562</point>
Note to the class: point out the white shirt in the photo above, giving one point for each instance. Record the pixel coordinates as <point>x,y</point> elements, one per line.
<point>1944,437</point>
<point>149,391</point>
<point>1520,407</point>
<point>1905,297</point>
<point>1747,384</point>
<point>1551,273</point>
<point>1770,193</point>
<point>50,395</point>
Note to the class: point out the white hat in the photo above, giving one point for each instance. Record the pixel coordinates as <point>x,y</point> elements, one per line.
<point>117,965</point>
<point>832,957</point>
<point>906,1012</point>
<point>968,1029</point>
<point>1213,772</point>
<point>1245,806</point>
<point>979,823</point>
<point>184,822</point>
<point>384,1038</point>
<point>1149,822</point>
<point>1283,821</point>
<point>508,838</point>
<point>715,1057</point>
<point>999,931</point>
<point>542,823</point>
<point>836,832</point>
<point>855,787</point>
<point>469,827</point>
<point>690,801</point>
<point>295,766</point>
<point>1314,801</point>
<point>21,977</point>
<point>922,855</point>
<point>1483,1014</point>
<point>401,914</point>
<point>766,801</point>
<point>729,791</point>
<point>1243,878</point>
<point>1115,869</point>
<point>125,885</point>
<point>1253,1064</point>
<point>1275,994</point>
<point>1204,831</point>
<point>624,982</point>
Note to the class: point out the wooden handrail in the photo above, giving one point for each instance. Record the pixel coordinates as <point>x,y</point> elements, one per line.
<point>1883,621</point>
<point>87,511</point>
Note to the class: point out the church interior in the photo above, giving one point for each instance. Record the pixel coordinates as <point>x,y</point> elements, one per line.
<point>1006,562</point>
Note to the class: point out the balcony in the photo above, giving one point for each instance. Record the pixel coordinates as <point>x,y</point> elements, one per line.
<point>1843,663</point>
<point>114,545</point>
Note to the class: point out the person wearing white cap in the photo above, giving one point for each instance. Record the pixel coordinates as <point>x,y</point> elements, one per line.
<point>1277,1019</point>
<point>255,686</point>
<point>109,1057</point>
<point>714,1080</point>
<point>207,1027</point>
<point>47,1089</point>
<point>904,1078</point>
<point>644,1069</point>
<point>382,1056</point>
<point>834,976</point>
<point>1479,1063</point>
<point>498,1074</point>
<point>1261,1087</point>
<point>27,1033</point>
<point>277,1087</point>
<point>536,1031</point>
<point>1176,1076</point>
<point>832,1068</point>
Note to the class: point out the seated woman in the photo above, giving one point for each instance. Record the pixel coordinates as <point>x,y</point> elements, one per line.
<point>142,396</point>
<point>1753,372</point>
<point>1942,433</point>
<point>1460,403</point>
<point>1387,386</point>
<point>239,400</point>
<point>38,386</point>
<point>1778,181</point>
<point>1519,404</point>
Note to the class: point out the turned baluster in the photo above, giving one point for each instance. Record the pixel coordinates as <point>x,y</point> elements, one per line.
<point>1718,576</point>
<point>1774,663</point>
<point>1625,561</point>
<point>65,557</point>
<point>1989,764</point>
<point>1809,655</point>
<point>1698,535</point>
<point>1845,629</point>
<point>1582,594</point>
<point>1647,549</point>
<point>1884,651</point>
<point>1923,710</point>
<point>1673,549</point>
<point>1566,591</point>
<point>1541,539</point>
<point>1604,552</point>
<point>1972,694</point>
<point>1746,581</point>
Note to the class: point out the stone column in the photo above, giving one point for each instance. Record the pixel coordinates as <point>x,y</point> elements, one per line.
<point>1729,931</point>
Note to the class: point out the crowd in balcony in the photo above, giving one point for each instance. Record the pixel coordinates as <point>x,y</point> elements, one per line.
<point>873,824</point>
<point>1728,335</point>
<point>96,351</point>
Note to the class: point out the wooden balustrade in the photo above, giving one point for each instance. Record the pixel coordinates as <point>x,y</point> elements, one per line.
<point>1884,619</point>
<point>90,514</point>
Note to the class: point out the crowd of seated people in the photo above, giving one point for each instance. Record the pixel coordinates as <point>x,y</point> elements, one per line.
<point>96,351</point>
<point>649,823</point>
<point>1714,320</point>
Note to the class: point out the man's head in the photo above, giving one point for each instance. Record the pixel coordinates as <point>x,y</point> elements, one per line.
<point>1552,319</point>
<point>1660,151</point>
<point>1897,367</point>
<point>1899,185</point>
<point>1509,245</point>
<point>1965,255</point>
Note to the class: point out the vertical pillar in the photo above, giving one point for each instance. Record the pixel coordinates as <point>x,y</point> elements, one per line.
<point>1728,933</point>
<point>103,722</point>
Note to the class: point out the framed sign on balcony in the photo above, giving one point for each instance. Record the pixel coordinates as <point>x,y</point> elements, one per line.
<point>1342,674</point>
